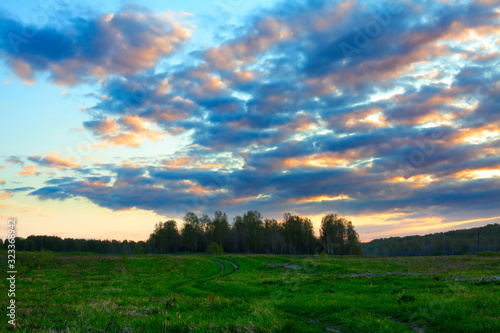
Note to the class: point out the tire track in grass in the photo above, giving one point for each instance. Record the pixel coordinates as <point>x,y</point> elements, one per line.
<point>196,283</point>
<point>189,284</point>
<point>222,267</point>
<point>236,268</point>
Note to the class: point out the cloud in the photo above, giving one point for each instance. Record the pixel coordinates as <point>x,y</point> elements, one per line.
<point>29,170</point>
<point>14,160</point>
<point>354,107</point>
<point>53,161</point>
<point>128,130</point>
<point>170,190</point>
<point>89,48</point>
<point>253,83</point>
<point>19,189</point>
<point>5,195</point>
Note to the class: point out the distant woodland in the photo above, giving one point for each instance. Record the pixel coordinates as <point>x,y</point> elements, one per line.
<point>250,233</point>
<point>457,242</point>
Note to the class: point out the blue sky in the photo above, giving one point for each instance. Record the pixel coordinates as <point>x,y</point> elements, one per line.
<point>117,115</point>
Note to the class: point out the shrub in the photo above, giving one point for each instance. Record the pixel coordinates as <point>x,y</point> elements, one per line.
<point>322,256</point>
<point>215,249</point>
<point>488,254</point>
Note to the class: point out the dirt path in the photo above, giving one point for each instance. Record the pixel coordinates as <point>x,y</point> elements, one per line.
<point>236,268</point>
<point>222,268</point>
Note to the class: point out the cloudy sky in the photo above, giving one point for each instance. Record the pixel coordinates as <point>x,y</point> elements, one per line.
<point>116,115</point>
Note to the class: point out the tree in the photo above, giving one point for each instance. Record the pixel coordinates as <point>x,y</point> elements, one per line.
<point>308,239</point>
<point>273,235</point>
<point>238,234</point>
<point>291,232</point>
<point>188,236</point>
<point>139,248</point>
<point>218,228</point>
<point>254,227</point>
<point>215,249</point>
<point>352,242</point>
<point>298,234</point>
<point>339,235</point>
<point>204,224</point>
<point>165,238</point>
<point>191,232</point>
<point>250,233</point>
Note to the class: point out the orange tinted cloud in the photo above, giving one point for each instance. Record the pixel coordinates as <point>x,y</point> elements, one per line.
<point>5,195</point>
<point>322,160</point>
<point>195,188</point>
<point>241,51</point>
<point>243,76</point>
<point>104,126</point>
<point>53,161</point>
<point>125,139</point>
<point>29,170</point>
<point>478,135</point>
<point>415,181</point>
<point>479,173</point>
<point>61,162</point>
<point>128,131</point>
<point>190,162</point>
<point>321,198</point>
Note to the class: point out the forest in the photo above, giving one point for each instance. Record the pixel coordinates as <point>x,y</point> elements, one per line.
<point>250,233</point>
<point>456,242</point>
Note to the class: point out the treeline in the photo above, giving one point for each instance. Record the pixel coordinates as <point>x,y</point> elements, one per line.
<point>58,244</point>
<point>250,233</point>
<point>457,242</point>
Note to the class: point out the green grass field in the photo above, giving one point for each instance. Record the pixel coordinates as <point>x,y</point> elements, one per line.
<point>158,293</point>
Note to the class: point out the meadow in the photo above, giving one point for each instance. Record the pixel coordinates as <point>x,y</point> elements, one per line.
<point>201,293</point>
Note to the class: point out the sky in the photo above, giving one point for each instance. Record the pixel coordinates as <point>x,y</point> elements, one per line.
<point>116,115</point>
